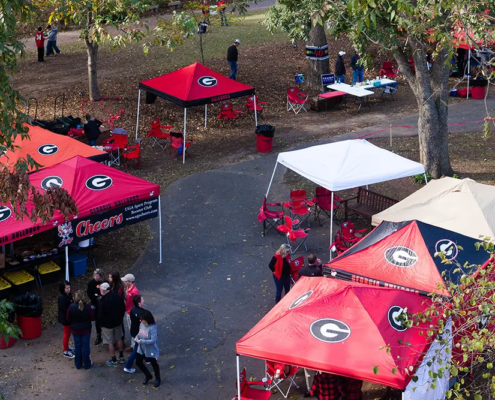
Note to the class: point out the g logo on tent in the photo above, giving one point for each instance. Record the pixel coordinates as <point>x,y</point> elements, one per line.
<point>51,181</point>
<point>330,330</point>
<point>207,81</point>
<point>99,182</point>
<point>401,256</point>
<point>48,149</point>
<point>448,248</point>
<point>394,313</point>
<point>5,213</point>
<point>301,299</point>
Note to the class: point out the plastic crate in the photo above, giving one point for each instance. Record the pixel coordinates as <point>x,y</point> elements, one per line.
<point>78,264</point>
<point>21,281</point>
<point>5,289</point>
<point>48,272</point>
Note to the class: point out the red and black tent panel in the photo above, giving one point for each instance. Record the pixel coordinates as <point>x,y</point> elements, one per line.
<point>406,255</point>
<point>195,85</point>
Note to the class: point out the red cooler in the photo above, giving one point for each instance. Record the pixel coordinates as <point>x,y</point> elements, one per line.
<point>30,327</point>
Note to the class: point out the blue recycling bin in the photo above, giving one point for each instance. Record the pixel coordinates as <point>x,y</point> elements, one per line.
<point>78,264</point>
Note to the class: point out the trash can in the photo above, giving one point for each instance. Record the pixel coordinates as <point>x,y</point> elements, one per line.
<point>28,309</point>
<point>264,138</point>
<point>11,341</point>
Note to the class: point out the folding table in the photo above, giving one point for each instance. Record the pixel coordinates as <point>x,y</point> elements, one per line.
<point>356,91</point>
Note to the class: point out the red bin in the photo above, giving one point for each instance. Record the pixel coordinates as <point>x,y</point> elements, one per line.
<point>264,144</point>
<point>6,345</point>
<point>30,327</point>
<point>478,92</point>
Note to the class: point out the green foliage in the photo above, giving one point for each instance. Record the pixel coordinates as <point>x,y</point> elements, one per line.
<point>420,178</point>
<point>7,330</point>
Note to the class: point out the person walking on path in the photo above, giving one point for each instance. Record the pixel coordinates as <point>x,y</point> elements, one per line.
<point>64,301</point>
<point>232,56</point>
<point>80,316</point>
<point>94,295</point>
<point>222,8</point>
<point>136,312</point>
<point>340,67</point>
<point>313,268</point>
<point>130,291</point>
<point>40,44</point>
<point>92,129</point>
<point>357,68</point>
<point>111,310</point>
<point>51,43</point>
<point>280,267</point>
<point>147,341</point>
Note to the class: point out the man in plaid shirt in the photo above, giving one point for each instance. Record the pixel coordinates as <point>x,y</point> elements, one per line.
<point>331,387</point>
<point>351,389</point>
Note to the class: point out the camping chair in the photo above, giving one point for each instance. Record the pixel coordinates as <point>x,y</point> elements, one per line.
<point>299,205</point>
<point>296,100</point>
<point>249,393</point>
<point>228,112</point>
<point>346,237</point>
<point>295,266</point>
<point>276,373</point>
<point>177,144</point>
<point>388,70</point>
<point>159,133</point>
<point>132,155</point>
<point>270,218</point>
<point>323,204</point>
<point>250,105</point>
<point>119,141</point>
<point>293,235</point>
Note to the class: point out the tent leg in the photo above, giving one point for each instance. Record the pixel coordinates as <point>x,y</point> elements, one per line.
<point>331,225</point>
<point>238,379</point>
<point>468,72</point>
<point>306,376</point>
<point>67,263</point>
<point>184,146</point>
<point>271,180</point>
<point>426,179</point>
<point>206,114</point>
<point>255,113</point>
<point>139,106</point>
<point>160,226</point>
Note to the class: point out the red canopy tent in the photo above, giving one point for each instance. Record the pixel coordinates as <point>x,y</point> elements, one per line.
<point>48,148</point>
<point>340,328</point>
<point>193,85</point>
<point>107,199</point>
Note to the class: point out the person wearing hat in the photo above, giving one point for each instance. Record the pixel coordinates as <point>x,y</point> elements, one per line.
<point>232,55</point>
<point>340,67</point>
<point>111,310</point>
<point>130,291</point>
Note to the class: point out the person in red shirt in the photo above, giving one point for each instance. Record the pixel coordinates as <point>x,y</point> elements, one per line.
<point>130,291</point>
<point>205,9</point>
<point>221,10</point>
<point>40,44</point>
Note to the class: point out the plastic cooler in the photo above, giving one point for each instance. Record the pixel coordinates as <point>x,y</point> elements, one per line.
<point>48,272</point>
<point>5,289</point>
<point>21,281</point>
<point>78,264</point>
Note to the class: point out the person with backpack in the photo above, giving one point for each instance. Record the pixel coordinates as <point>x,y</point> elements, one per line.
<point>39,38</point>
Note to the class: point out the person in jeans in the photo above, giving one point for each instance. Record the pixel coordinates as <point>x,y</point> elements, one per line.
<point>130,291</point>
<point>340,68</point>
<point>111,310</point>
<point>357,68</point>
<point>80,316</point>
<point>135,315</point>
<point>92,129</point>
<point>221,7</point>
<point>147,341</point>
<point>280,267</point>
<point>94,295</point>
<point>64,301</point>
<point>39,38</point>
<point>51,43</point>
<point>232,56</point>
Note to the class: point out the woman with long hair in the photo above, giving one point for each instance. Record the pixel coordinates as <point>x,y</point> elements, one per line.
<point>147,341</point>
<point>80,316</point>
<point>64,301</point>
<point>116,284</point>
<point>280,266</point>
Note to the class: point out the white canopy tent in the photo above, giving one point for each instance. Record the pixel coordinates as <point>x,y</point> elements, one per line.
<point>346,165</point>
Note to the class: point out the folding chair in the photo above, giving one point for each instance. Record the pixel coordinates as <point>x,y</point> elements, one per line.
<point>323,204</point>
<point>159,133</point>
<point>118,140</point>
<point>296,100</point>
<point>177,144</point>
<point>249,393</point>
<point>250,105</point>
<point>132,155</point>
<point>346,237</point>
<point>293,235</point>
<point>295,266</point>
<point>270,218</point>
<point>388,70</point>
<point>276,373</point>
<point>299,205</point>
<point>228,112</point>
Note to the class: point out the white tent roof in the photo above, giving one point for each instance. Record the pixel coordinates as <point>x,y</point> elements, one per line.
<point>348,164</point>
<point>462,206</point>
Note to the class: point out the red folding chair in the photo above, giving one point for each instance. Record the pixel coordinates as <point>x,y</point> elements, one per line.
<point>249,393</point>
<point>270,218</point>
<point>132,155</point>
<point>293,235</point>
<point>160,134</point>
<point>296,100</point>
<point>177,144</point>
<point>228,112</point>
<point>295,266</point>
<point>279,373</point>
<point>323,204</point>
<point>250,105</point>
<point>346,237</point>
<point>118,140</point>
<point>388,70</point>
<point>299,205</point>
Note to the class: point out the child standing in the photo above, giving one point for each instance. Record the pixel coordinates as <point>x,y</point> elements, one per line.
<point>40,44</point>
<point>64,302</point>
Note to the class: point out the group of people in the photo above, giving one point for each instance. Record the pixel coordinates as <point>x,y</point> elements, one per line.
<point>356,65</point>
<point>51,42</point>
<point>116,307</point>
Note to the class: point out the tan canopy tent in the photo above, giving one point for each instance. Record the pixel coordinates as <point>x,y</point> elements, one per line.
<point>462,206</point>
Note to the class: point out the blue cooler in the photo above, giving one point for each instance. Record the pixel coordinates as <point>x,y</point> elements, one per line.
<point>78,264</point>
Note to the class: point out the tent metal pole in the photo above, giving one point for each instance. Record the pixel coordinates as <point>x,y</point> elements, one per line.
<point>426,179</point>
<point>139,106</point>
<point>67,263</point>
<point>206,113</point>
<point>331,226</point>
<point>184,144</point>
<point>255,112</point>
<point>238,379</point>
<point>160,226</point>
<point>271,180</point>
<point>468,71</point>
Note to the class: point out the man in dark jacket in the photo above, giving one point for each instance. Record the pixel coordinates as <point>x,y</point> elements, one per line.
<point>94,295</point>
<point>232,55</point>
<point>313,268</point>
<point>92,129</point>
<point>111,310</point>
<point>357,68</point>
<point>136,311</point>
<point>340,67</point>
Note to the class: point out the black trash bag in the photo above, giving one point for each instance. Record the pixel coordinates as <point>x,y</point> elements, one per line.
<point>29,305</point>
<point>265,130</point>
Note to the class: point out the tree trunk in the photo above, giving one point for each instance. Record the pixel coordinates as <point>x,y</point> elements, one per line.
<point>94,90</point>
<point>317,67</point>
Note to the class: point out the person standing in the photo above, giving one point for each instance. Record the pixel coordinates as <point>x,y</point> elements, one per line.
<point>232,56</point>
<point>130,291</point>
<point>136,312</point>
<point>325,387</point>
<point>205,9</point>
<point>111,310</point>
<point>147,341</point>
<point>280,267</point>
<point>351,389</point>
<point>313,268</point>
<point>94,295</point>
<point>357,68</point>
<point>51,43</point>
<point>92,129</point>
<point>40,44</point>
<point>80,316</point>
<point>340,67</point>
<point>221,10</point>
<point>64,301</point>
